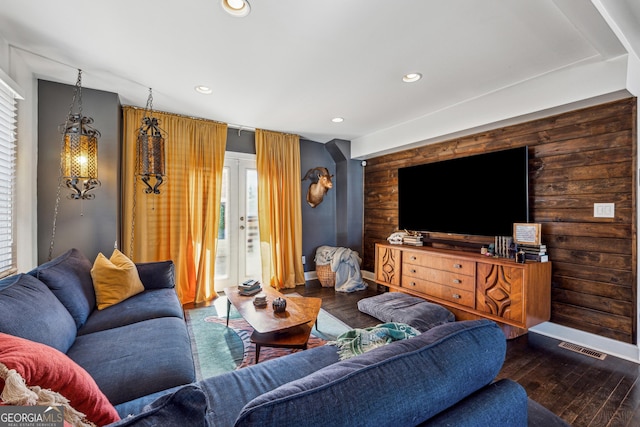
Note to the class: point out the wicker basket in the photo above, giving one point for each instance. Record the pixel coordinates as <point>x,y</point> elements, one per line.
<point>326,276</point>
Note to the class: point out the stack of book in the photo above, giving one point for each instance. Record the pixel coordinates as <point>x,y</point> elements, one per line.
<point>250,287</point>
<point>260,300</point>
<point>535,252</point>
<point>412,239</point>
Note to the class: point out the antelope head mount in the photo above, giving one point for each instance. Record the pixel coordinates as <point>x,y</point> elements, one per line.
<point>320,184</point>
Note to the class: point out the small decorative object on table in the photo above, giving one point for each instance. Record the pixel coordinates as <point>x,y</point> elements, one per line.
<point>279,305</point>
<point>503,245</point>
<point>527,233</point>
<point>396,237</point>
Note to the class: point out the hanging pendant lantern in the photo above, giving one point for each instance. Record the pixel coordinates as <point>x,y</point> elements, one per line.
<point>79,156</point>
<point>151,163</point>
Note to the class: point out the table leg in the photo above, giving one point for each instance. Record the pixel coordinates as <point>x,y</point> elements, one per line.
<point>228,311</point>
<point>257,352</point>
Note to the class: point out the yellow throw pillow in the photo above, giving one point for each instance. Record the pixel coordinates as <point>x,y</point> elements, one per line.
<point>114,279</point>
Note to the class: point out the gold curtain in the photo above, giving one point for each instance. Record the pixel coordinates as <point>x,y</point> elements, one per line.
<point>279,208</point>
<point>181,223</point>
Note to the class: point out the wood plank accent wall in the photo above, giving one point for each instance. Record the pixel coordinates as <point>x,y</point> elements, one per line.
<point>575,159</point>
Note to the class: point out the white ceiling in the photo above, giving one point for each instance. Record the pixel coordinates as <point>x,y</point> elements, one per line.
<point>292,65</point>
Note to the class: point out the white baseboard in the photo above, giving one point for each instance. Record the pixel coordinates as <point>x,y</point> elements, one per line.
<point>310,275</point>
<point>369,275</point>
<point>606,345</point>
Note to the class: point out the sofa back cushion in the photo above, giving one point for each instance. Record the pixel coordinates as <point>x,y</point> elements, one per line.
<point>403,383</point>
<point>69,278</point>
<point>157,274</point>
<point>30,310</point>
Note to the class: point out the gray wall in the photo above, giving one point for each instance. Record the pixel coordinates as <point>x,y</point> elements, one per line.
<point>242,141</point>
<point>319,223</point>
<point>89,225</point>
<point>349,195</point>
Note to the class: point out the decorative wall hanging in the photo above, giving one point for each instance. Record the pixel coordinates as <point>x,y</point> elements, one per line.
<point>321,183</point>
<point>150,160</point>
<point>150,151</point>
<point>79,154</point>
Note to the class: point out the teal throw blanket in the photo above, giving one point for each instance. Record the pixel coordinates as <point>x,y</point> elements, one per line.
<point>358,341</point>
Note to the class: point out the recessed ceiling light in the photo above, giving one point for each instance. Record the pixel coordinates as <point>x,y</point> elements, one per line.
<point>238,8</point>
<point>411,77</point>
<point>204,89</point>
<point>337,120</point>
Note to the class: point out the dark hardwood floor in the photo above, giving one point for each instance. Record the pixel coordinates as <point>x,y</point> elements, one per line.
<point>584,391</point>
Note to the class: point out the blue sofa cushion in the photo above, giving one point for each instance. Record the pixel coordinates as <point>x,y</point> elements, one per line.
<point>146,305</point>
<point>35,313</point>
<point>157,275</point>
<point>69,278</point>
<point>428,374</point>
<point>185,407</point>
<point>137,359</point>
<point>403,308</point>
<point>505,402</point>
<point>228,393</point>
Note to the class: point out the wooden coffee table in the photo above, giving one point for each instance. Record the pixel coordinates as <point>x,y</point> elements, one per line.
<point>290,329</point>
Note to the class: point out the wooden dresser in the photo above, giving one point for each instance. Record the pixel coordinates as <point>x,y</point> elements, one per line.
<point>516,296</point>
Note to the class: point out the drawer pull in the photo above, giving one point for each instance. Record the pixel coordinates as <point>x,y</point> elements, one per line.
<point>412,283</point>
<point>457,296</point>
<point>457,265</point>
<point>457,281</point>
<point>413,258</point>
<point>413,270</point>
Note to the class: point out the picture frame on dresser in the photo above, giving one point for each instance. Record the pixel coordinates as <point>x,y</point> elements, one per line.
<point>527,233</point>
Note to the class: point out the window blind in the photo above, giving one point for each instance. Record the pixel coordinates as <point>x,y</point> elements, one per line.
<point>8,116</point>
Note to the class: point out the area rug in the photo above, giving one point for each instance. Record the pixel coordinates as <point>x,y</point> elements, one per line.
<point>244,331</point>
<point>218,349</point>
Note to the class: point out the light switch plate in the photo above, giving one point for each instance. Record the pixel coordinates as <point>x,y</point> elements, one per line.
<point>604,210</point>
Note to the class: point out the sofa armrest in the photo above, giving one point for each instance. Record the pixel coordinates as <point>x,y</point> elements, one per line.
<point>157,275</point>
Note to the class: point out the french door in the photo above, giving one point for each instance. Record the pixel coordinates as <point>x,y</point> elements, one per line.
<point>238,254</point>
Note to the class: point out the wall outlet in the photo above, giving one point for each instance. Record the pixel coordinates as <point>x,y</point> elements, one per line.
<point>304,259</point>
<point>604,210</point>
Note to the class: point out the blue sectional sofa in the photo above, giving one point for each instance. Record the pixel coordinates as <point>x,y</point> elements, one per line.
<point>138,352</point>
<point>131,349</point>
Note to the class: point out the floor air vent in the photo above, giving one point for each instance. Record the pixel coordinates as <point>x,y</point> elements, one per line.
<point>583,350</point>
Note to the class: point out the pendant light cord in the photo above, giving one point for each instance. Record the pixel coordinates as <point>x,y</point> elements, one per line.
<point>77,93</point>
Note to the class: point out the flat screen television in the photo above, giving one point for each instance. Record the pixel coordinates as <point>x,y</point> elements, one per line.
<point>480,195</point>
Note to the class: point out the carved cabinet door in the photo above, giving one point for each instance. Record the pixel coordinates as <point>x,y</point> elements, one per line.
<point>388,265</point>
<point>499,291</point>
